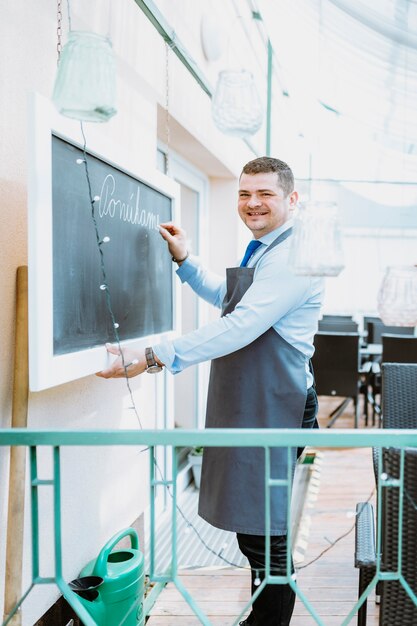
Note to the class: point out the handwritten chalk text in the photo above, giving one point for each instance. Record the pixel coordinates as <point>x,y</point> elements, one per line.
<point>127,211</point>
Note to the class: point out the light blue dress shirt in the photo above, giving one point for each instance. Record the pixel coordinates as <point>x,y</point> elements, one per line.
<point>277,298</point>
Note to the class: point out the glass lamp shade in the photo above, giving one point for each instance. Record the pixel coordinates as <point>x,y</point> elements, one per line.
<point>236,107</point>
<point>85,83</point>
<point>316,248</point>
<point>397,297</point>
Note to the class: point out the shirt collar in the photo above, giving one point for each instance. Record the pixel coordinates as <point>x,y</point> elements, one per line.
<point>270,237</point>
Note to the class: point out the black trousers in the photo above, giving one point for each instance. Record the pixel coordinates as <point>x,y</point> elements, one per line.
<point>275,605</point>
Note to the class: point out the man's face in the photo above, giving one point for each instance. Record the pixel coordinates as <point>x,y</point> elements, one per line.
<point>262,205</point>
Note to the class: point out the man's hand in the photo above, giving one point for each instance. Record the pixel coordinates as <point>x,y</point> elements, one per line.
<point>132,364</point>
<point>175,238</point>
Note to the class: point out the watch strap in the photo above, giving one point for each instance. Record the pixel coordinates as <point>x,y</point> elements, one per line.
<point>151,364</point>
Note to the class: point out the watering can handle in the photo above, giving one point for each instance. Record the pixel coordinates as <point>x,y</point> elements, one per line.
<point>100,567</point>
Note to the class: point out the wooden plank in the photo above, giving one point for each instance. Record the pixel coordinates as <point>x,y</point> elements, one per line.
<point>216,581</point>
<point>17,467</point>
<point>227,621</point>
<point>233,608</point>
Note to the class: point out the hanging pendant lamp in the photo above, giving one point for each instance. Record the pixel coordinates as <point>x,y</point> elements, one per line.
<point>397,297</point>
<point>316,248</point>
<point>236,107</point>
<point>85,83</point>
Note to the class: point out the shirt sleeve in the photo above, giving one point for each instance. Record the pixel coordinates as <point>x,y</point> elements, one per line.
<point>274,293</point>
<point>208,285</point>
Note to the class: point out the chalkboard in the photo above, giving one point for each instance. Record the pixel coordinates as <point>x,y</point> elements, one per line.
<point>136,259</point>
<point>69,320</point>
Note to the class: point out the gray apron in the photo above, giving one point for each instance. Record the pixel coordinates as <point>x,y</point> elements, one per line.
<point>262,385</point>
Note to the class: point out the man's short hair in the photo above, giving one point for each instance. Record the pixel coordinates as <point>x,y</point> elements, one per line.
<point>264,165</point>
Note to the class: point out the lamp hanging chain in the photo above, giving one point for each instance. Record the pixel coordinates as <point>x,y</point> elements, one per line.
<point>59,30</point>
<point>69,15</point>
<point>167,114</point>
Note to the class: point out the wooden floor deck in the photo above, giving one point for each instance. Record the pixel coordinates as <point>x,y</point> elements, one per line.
<point>330,583</point>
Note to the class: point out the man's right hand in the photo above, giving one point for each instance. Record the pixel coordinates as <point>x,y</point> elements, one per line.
<point>176,240</point>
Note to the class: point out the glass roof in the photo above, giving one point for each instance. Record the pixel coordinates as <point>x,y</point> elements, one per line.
<point>350,70</point>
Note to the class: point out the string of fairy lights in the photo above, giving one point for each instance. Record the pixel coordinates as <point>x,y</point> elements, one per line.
<point>104,282</point>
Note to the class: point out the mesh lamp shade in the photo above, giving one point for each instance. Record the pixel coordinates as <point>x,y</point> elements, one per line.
<point>316,248</point>
<point>85,83</point>
<point>236,107</point>
<point>397,297</point>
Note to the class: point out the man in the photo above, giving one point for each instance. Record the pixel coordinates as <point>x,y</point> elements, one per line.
<point>260,350</point>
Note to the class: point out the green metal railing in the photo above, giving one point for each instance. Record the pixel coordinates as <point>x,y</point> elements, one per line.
<point>263,438</point>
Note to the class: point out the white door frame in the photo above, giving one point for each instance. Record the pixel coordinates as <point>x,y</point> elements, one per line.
<point>187,174</point>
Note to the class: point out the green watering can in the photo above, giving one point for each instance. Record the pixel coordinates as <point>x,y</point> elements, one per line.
<point>121,592</point>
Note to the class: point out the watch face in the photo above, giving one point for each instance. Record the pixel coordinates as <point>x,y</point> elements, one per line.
<point>154,369</point>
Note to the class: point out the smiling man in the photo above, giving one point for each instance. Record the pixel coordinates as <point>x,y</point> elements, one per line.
<point>260,350</point>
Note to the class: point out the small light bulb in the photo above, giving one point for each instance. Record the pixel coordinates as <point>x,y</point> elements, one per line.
<point>116,325</point>
<point>106,239</point>
<point>384,476</point>
<point>103,287</point>
<point>96,198</point>
<point>257,581</point>
<point>79,161</point>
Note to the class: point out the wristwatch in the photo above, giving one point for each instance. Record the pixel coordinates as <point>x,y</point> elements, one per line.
<point>152,367</point>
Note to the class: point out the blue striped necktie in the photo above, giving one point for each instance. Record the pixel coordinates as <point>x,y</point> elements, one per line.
<point>252,246</point>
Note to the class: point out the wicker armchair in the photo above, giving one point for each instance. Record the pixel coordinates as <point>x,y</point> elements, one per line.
<point>399,349</point>
<point>396,349</point>
<point>399,398</point>
<point>397,608</point>
<point>376,328</point>
<point>399,395</point>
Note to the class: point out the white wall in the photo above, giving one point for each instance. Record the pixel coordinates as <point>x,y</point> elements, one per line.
<point>105,489</point>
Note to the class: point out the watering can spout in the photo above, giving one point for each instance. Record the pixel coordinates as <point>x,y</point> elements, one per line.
<point>87,590</point>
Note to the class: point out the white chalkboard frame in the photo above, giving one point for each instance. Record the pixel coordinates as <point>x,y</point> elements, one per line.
<point>46,369</point>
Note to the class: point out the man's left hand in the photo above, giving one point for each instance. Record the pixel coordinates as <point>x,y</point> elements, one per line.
<point>132,363</point>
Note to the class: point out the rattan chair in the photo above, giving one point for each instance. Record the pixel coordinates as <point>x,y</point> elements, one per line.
<point>398,398</point>
<point>395,349</point>
<point>397,608</point>
<point>399,349</point>
<point>334,325</point>
<point>336,370</point>
<point>399,395</point>
<point>376,328</point>
<point>336,318</point>
<point>399,403</point>
<point>398,372</point>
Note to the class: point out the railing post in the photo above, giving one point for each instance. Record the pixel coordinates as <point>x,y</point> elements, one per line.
<point>401,513</point>
<point>152,510</point>
<point>34,512</point>
<point>57,513</point>
<point>267,512</point>
<point>290,471</point>
<point>174,563</point>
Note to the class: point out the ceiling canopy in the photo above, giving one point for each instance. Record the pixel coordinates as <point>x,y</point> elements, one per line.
<point>350,70</point>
